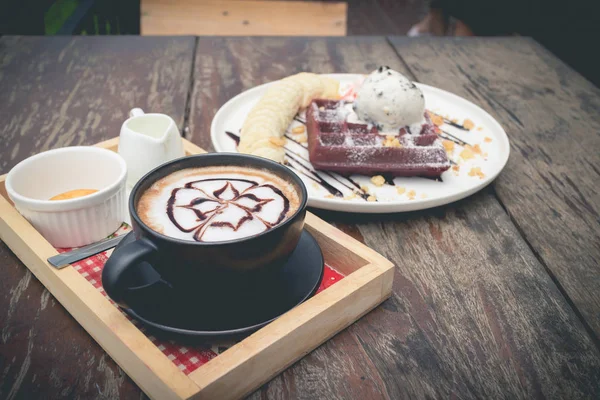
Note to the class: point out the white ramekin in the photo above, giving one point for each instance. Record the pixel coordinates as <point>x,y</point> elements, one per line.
<point>75,222</point>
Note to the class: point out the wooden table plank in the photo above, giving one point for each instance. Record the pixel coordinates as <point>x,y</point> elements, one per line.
<point>550,112</point>
<point>66,91</point>
<point>57,92</point>
<point>474,314</point>
<point>247,18</point>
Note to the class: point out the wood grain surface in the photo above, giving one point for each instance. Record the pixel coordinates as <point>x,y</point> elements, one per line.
<point>57,92</point>
<point>479,309</point>
<point>243,18</point>
<point>550,112</point>
<point>66,91</point>
<point>475,314</point>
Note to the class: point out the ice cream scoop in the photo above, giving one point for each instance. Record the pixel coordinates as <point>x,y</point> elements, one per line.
<point>389,100</point>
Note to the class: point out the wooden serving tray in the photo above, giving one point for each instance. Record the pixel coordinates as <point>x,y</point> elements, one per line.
<point>246,365</point>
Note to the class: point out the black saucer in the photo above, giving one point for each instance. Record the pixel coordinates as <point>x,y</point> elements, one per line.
<point>194,313</point>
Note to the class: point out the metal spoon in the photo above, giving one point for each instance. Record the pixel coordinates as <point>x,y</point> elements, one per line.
<point>60,261</point>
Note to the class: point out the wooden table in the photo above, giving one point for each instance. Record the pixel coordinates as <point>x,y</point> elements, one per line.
<point>495,296</point>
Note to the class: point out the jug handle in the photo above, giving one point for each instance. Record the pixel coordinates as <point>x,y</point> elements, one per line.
<point>135,112</point>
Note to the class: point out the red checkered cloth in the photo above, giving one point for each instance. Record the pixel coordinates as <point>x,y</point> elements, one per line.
<point>186,358</point>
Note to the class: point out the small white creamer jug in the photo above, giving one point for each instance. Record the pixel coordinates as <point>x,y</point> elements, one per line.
<point>147,141</point>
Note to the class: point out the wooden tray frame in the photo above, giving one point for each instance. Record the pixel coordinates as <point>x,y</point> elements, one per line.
<point>245,366</point>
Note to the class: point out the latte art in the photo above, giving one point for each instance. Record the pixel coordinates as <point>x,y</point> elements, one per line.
<point>217,203</point>
<point>240,205</point>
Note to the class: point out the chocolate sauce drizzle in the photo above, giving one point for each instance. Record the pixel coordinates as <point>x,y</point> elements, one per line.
<point>452,138</point>
<point>389,180</point>
<point>448,122</point>
<point>230,225</point>
<point>315,176</point>
<point>236,138</point>
<point>352,181</point>
<point>199,214</point>
<point>190,185</point>
<point>297,158</point>
<point>219,192</point>
<point>289,137</point>
<point>286,203</point>
<point>319,179</point>
<point>433,178</point>
<point>204,218</point>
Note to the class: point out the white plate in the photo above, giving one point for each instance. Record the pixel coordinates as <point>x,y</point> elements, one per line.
<point>427,193</point>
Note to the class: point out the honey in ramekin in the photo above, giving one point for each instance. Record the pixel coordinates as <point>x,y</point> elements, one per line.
<point>73,194</point>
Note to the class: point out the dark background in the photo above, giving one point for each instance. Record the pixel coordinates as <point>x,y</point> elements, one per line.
<point>570,28</point>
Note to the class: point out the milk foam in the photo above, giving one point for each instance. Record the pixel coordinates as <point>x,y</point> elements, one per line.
<point>217,203</point>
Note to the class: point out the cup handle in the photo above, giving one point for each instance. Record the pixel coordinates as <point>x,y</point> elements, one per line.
<point>136,112</point>
<point>119,262</point>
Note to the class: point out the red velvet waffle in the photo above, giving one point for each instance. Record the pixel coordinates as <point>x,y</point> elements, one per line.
<point>337,145</point>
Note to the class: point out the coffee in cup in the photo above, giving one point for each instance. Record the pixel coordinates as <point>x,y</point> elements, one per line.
<point>226,221</point>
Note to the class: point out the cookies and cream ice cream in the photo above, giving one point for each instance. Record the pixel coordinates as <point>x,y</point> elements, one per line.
<point>389,100</point>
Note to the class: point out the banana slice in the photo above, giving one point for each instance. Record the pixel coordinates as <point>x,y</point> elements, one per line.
<point>264,127</point>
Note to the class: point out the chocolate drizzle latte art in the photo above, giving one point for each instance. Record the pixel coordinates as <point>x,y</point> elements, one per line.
<point>208,207</point>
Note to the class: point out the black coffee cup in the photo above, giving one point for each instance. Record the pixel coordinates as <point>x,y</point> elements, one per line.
<point>217,265</point>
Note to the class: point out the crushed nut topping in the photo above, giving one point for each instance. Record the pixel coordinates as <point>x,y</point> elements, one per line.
<point>329,196</point>
<point>469,124</point>
<point>277,141</point>
<point>487,139</point>
<point>371,198</point>
<point>302,139</point>
<point>477,149</point>
<point>411,194</point>
<point>395,143</point>
<point>448,145</point>
<point>298,129</point>
<point>476,171</point>
<point>467,153</point>
<point>378,180</point>
<point>350,196</point>
<point>480,128</point>
<point>436,119</point>
<point>400,190</point>
<point>456,168</point>
<point>365,188</point>
<point>392,141</point>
